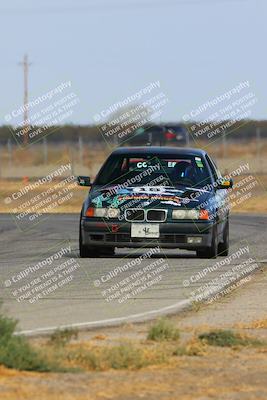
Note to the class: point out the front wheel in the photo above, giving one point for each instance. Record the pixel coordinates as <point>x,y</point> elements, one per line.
<point>93,252</point>
<point>86,251</point>
<point>223,248</point>
<point>212,251</point>
<point>108,251</point>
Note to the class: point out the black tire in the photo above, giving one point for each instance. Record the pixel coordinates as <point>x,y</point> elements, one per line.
<point>210,252</point>
<point>108,251</point>
<point>86,251</point>
<point>223,248</point>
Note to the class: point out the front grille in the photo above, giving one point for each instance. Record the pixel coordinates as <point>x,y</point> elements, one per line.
<point>164,238</point>
<point>172,238</point>
<point>118,237</point>
<point>134,214</point>
<point>156,215</point>
<point>138,214</point>
<point>97,237</point>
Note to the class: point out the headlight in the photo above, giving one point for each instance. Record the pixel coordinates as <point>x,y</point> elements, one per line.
<point>179,214</point>
<point>112,213</point>
<point>100,212</point>
<point>185,214</point>
<point>193,214</point>
<point>103,212</point>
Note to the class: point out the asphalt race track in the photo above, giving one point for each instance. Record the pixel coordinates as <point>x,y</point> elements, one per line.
<point>84,292</point>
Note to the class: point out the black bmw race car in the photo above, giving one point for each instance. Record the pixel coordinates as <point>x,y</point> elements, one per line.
<point>156,196</point>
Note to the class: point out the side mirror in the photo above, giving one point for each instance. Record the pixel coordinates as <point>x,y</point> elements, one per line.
<point>225,183</point>
<point>84,181</point>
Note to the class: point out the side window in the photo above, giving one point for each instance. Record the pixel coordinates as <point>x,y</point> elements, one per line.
<point>215,172</point>
<point>125,165</point>
<point>218,173</point>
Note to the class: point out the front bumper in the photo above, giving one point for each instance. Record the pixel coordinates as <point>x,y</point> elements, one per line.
<point>172,235</point>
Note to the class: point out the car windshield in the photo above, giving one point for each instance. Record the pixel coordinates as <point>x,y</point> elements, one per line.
<point>161,170</point>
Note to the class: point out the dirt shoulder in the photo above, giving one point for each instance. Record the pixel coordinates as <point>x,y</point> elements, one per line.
<point>201,372</point>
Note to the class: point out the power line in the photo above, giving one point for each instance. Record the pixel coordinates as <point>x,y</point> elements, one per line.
<point>108,7</point>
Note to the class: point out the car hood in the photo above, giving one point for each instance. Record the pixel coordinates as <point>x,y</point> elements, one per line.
<point>147,197</point>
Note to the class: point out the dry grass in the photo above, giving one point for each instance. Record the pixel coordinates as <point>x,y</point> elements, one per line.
<point>236,150</point>
<point>34,155</point>
<point>29,163</point>
<point>163,330</point>
<point>126,355</point>
<point>191,370</point>
<point>194,347</point>
<point>257,203</point>
<point>228,338</point>
<point>163,344</point>
<point>72,205</point>
<point>257,324</point>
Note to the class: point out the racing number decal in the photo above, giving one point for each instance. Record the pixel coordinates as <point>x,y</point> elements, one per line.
<point>141,164</point>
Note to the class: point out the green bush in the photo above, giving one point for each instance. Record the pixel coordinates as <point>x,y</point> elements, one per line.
<point>163,330</point>
<point>123,356</point>
<point>16,352</point>
<point>227,338</point>
<point>7,327</point>
<point>62,337</point>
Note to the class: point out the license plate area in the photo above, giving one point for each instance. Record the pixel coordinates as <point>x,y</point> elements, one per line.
<point>144,230</point>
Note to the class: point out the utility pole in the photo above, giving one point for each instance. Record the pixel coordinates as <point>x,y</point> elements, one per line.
<point>45,152</point>
<point>81,150</point>
<point>187,138</point>
<point>224,145</point>
<point>25,63</point>
<point>258,135</point>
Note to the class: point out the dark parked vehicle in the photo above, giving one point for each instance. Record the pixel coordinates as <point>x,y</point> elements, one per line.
<point>156,196</point>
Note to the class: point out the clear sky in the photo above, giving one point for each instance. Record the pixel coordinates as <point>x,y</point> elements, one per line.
<point>109,49</point>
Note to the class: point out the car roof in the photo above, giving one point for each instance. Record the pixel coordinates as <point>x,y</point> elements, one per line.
<point>144,150</point>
